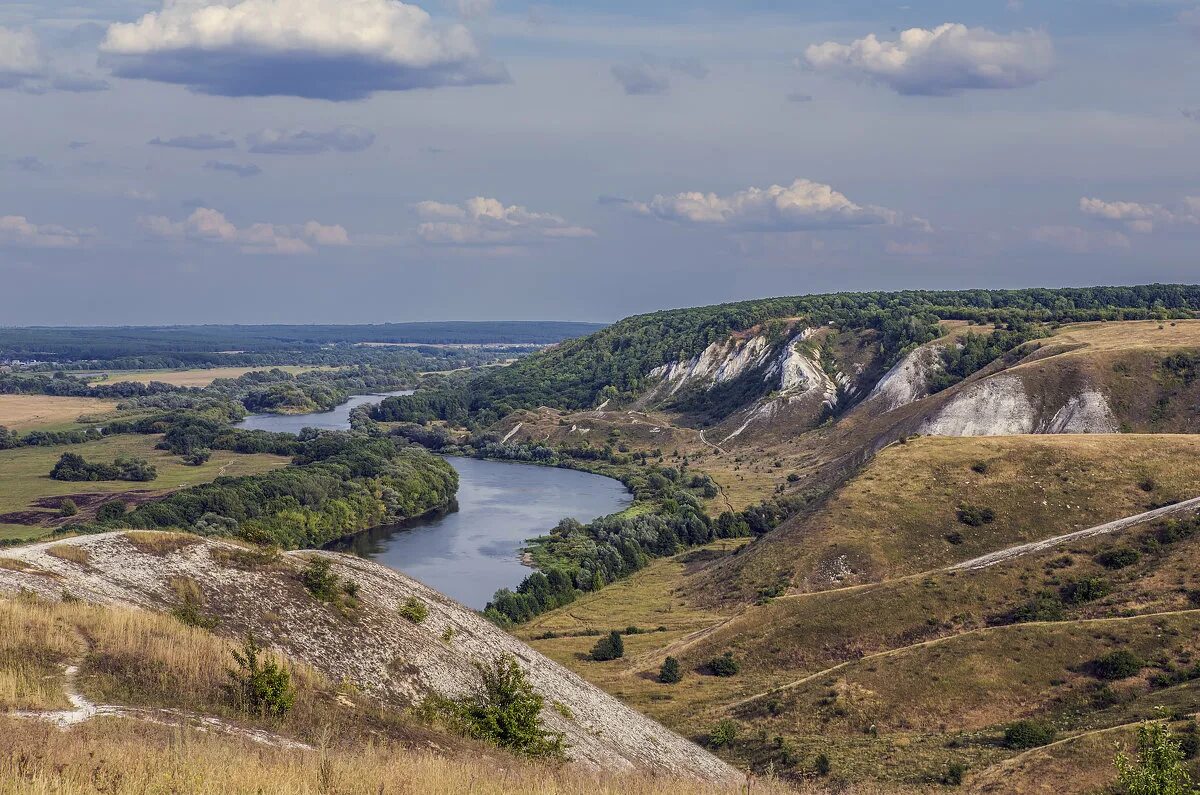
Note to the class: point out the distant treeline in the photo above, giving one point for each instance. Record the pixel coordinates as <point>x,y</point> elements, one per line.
<point>616,361</point>
<point>192,345</point>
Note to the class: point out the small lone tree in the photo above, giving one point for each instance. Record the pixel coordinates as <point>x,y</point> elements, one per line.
<point>670,672</point>
<point>725,665</point>
<point>259,685</point>
<point>609,647</point>
<point>1158,769</point>
<point>507,712</point>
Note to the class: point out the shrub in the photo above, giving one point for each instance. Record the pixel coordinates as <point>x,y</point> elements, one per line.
<point>68,507</point>
<point>724,665</point>
<point>670,673</point>
<point>955,773</point>
<point>723,734</point>
<point>609,647</point>
<point>197,457</point>
<point>1085,590</point>
<point>111,511</point>
<point>507,712</point>
<point>319,579</point>
<point>980,467</point>
<point>1118,558</point>
<point>822,765</point>
<point>259,685</point>
<point>1046,606</point>
<point>1028,734</point>
<point>975,516</point>
<point>1119,664</point>
<point>1158,769</point>
<point>414,610</point>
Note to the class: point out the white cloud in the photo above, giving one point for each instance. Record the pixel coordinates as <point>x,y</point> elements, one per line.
<point>346,138</point>
<point>1078,240</point>
<point>802,205</point>
<point>945,60</point>
<point>19,231</point>
<point>1141,217</point>
<point>489,222</point>
<point>200,142</point>
<point>20,57</point>
<point>24,66</point>
<point>470,9</point>
<point>208,225</point>
<point>325,49</point>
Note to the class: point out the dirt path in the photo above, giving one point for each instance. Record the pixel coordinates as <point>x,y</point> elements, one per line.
<point>716,447</point>
<point>83,710</point>
<point>992,558</point>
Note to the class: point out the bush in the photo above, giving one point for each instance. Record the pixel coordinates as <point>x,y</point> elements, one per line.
<point>68,507</point>
<point>1118,558</point>
<point>1085,590</point>
<point>197,457</point>
<point>609,647</point>
<point>111,511</point>
<point>822,765</point>
<point>507,712</point>
<point>724,665</point>
<point>1120,664</point>
<point>414,610</point>
<point>1028,734</point>
<point>975,516</point>
<point>1046,606</point>
<point>723,734</point>
<point>670,673</point>
<point>319,579</point>
<point>1159,768</point>
<point>955,774</point>
<point>259,685</point>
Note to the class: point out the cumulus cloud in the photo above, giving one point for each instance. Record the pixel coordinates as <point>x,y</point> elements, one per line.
<point>24,66</point>
<point>800,206</point>
<point>17,230</point>
<point>211,226</point>
<point>1078,240</point>
<point>489,222</point>
<point>320,49</point>
<point>346,138</point>
<point>240,169</point>
<point>1142,217</point>
<point>652,76</point>
<point>945,60</point>
<point>201,142</point>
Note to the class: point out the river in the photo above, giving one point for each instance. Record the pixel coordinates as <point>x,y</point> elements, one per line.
<point>470,553</point>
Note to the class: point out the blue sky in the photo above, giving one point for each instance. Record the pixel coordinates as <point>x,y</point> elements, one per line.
<point>365,160</point>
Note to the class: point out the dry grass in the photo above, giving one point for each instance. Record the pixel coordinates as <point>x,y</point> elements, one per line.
<point>71,553</point>
<point>1085,339</point>
<point>27,412</point>
<point>158,543</point>
<point>112,757</point>
<point>34,645</point>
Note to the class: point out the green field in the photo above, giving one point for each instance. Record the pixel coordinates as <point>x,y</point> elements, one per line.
<point>197,377</point>
<point>24,473</point>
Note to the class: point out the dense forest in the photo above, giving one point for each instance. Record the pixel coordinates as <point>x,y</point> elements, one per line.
<point>136,347</point>
<point>615,362</point>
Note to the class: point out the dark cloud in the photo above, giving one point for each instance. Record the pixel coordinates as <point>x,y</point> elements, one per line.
<point>346,138</point>
<point>79,83</point>
<point>240,169</point>
<point>200,142</point>
<point>798,97</point>
<point>33,165</point>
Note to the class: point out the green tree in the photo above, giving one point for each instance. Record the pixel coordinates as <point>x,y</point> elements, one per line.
<point>507,712</point>
<point>258,684</point>
<point>68,507</point>
<point>670,672</point>
<point>609,647</point>
<point>1158,769</point>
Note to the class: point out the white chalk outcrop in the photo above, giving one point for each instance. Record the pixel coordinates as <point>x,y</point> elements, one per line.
<point>1001,406</point>
<point>908,380</point>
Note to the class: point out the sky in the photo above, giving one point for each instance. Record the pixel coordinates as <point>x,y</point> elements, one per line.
<point>360,161</point>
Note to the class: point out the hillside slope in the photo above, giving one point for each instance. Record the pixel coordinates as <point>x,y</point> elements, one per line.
<point>391,659</point>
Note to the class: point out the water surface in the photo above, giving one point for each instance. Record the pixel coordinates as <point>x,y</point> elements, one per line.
<point>470,553</point>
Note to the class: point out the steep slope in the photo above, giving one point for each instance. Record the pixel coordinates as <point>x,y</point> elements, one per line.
<point>387,657</point>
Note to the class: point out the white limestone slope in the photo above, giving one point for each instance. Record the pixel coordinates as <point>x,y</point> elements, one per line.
<point>908,380</point>
<point>384,655</point>
<point>1001,406</point>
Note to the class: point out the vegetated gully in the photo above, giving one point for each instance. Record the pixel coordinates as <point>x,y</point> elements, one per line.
<point>471,552</point>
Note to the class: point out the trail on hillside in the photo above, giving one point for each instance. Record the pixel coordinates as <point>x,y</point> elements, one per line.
<point>83,710</point>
